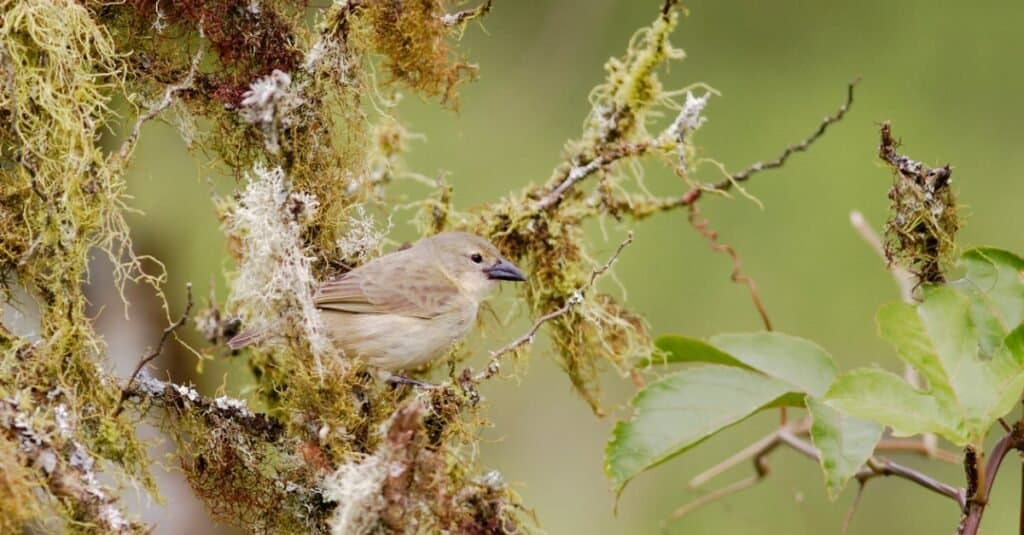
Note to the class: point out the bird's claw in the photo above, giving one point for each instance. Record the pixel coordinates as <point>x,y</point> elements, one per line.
<point>403,380</point>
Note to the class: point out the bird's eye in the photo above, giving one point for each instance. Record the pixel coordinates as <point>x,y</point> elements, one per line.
<point>476,257</point>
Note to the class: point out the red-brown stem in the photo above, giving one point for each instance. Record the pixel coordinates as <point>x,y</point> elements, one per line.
<point>971,521</point>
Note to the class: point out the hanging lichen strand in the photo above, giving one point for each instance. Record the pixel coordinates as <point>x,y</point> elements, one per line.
<point>283,98</point>
<point>284,102</point>
<point>543,225</point>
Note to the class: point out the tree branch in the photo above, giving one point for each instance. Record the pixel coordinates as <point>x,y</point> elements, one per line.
<point>971,520</point>
<point>184,398</point>
<point>572,301</point>
<point>72,479</point>
<point>582,170</point>
<point>694,194</point>
<point>736,275</point>
<point>168,97</point>
<point>789,435</point>
<point>159,348</point>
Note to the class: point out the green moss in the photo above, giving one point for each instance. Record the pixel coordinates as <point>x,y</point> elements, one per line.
<point>327,126</point>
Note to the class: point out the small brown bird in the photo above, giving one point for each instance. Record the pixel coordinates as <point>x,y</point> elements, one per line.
<point>406,308</point>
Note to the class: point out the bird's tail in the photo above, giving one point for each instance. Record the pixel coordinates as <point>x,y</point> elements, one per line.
<point>245,338</point>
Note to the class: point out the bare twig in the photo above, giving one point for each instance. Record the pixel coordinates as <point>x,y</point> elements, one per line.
<point>853,507</point>
<point>921,447</point>
<point>149,357</point>
<point>789,435</point>
<point>712,497</point>
<point>572,301</point>
<point>905,281</point>
<point>757,167</point>
<point>580,170</point>
<point>882,467</point>
<point>758,448</point>
<point>691,196</point>
<point>168,97</point>
<point>466,15</point>
<point>737,276</point>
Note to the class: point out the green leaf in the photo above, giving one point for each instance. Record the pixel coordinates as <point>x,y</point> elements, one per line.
<point>844,443</point>
<point>681,410</point>
<point>939,339</point>
<point>675,349</point>
<point>885,398</point>
<point>797,361</point>
<point>994,282</point>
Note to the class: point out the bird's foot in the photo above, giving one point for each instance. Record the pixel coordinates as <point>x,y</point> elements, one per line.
<point>403,380</point>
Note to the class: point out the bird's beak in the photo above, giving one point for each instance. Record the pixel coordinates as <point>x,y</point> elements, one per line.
<point>504,270</point>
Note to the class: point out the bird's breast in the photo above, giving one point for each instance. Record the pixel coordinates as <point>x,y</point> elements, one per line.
<point>396,342</point>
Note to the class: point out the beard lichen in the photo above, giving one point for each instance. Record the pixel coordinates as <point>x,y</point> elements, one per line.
<point>293,110</point>
<point>544,225</point>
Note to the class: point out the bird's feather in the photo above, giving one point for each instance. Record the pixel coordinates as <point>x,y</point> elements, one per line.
<point>391,284</point>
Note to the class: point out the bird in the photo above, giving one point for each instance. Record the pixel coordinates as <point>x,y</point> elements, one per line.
<point>407,308</point>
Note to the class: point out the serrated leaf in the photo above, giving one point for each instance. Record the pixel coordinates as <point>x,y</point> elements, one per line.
<point>677,349</point>
<point>885,398</point>
<point>844,443</point>
<point>797,361</point>
<point>681,410</point>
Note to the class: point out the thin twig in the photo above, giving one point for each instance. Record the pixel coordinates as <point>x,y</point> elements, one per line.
<point>165,101</point>
<point>712,497</point>
<point>913,445</point>
<point>905,281</point>
<point>853,507</point>
<point>580,170</point>
<point>125,392</point>
<point>765,444</point>
<point>572,301</point>
<point>737,276</point>
<point>789,435</point>
<point>691,196</point>
<point>757,167</point>
<point>883,468</point>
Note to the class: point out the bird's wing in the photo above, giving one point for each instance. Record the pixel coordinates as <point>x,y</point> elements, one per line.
<point>392,284</point>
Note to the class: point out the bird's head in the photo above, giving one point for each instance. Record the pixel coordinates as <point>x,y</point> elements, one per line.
<point>472,261</point>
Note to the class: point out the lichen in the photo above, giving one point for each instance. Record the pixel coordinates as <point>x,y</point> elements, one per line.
<point>291,107</point>
<point>923,217</point>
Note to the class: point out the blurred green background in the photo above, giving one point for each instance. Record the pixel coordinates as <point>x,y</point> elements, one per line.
<point>943,72</point>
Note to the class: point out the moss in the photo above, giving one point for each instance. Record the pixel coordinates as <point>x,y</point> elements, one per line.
<point>278,100</point>
<point>923,217</point>
<point>412,37</point>
<point>18,484</point>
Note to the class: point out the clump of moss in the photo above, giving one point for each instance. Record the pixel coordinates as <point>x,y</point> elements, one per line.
<point>61,197</point>
<point>412,36</point>
<point>923,216</point>
<point>293,107</point>
<point>543,225</point>
<point>18,484</point>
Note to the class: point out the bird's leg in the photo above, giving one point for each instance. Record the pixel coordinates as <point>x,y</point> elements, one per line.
<point>400,379</point>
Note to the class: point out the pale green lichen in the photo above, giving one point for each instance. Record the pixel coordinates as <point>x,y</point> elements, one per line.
<point>294,111</point>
